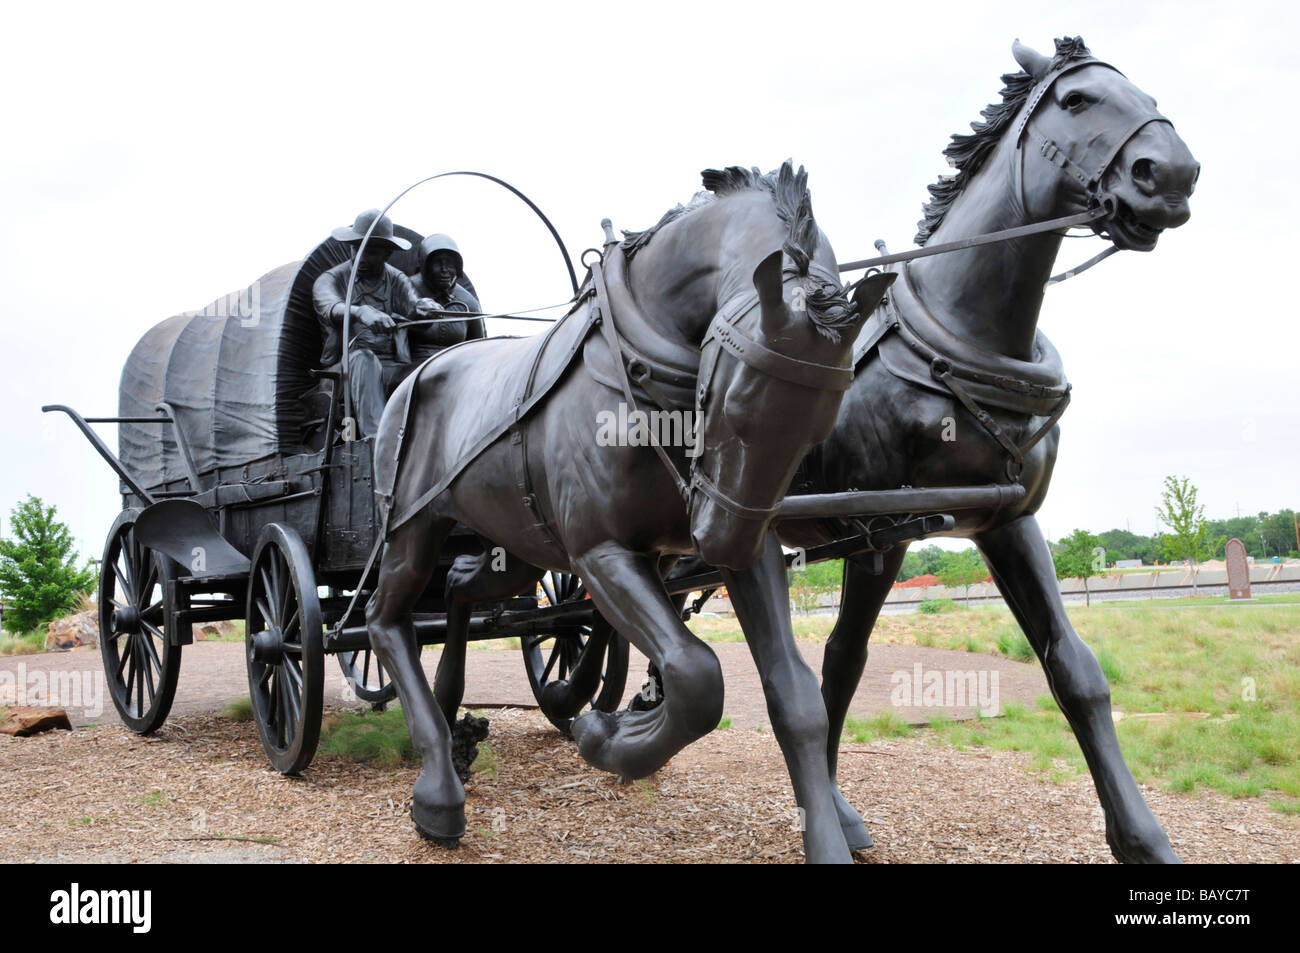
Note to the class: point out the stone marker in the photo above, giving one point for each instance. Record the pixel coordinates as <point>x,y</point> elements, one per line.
<point>21,722</point>
<point>1238,570</point>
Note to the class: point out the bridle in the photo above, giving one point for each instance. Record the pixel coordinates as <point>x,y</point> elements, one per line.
<point>1089,167</point>
<point>725,333</point>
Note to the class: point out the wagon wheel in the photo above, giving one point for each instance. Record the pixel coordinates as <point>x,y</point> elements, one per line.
<point>367,677</point>
<point>574,665</point>
<point>136,615</point>
<point>284,649</point>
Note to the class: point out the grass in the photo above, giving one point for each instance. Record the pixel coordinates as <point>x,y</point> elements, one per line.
<point>937,606</point>
<point>241,709</point>
<point>381,737</point>
<point>154,799</point>
<point>1226,686</point>
<point>885,725</point>
<point>1196,665</point>
<point>486,761</point>
<point>725,723</point>
<point>22,643</point>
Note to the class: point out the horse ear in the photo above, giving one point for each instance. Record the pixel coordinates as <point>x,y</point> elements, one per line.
<point>870,291</point>
<point>767,282</point>
<point>1030,60</point>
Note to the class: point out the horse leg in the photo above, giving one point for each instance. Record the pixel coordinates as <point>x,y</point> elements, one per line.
<point>862,593</point>
<point>1021,565</point>
<point>438,802</point>
<point>471,580</point>
<point>629,592</point>
<point>762,601</point>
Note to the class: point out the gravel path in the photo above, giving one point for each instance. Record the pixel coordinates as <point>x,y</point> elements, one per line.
<point>201,791</point>
<point>213,675</point>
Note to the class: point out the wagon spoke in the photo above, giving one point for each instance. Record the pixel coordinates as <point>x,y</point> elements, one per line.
<point>262,602</point>
<point>548,587</point>
<point>293,620</point>
<point>122,580</point>
<point>550,662</point>
<point>147,671</point>
<point>264,678</point>
<point>149,647</point>
<point>123,658</point>
<point>293,696</point>
<point>267,619</point>
<point>139,673</point>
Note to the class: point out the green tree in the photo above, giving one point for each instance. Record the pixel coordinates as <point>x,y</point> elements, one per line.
<point>961,569</point>
<point>39,578</point>
<point>1078,556</point>
<point>1188,537</point>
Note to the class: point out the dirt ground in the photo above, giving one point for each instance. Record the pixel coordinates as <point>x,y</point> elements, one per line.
<point>200,790</point>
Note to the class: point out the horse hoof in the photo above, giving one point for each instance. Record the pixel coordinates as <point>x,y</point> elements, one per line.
<point>445,826</point>
<point>856,836</point>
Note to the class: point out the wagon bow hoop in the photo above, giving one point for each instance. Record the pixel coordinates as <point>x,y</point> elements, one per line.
<point>356,259</point>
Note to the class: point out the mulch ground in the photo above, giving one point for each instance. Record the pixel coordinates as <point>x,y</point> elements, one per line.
<point>201,790</point>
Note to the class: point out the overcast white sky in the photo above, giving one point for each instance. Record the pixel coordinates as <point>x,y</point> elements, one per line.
<point>160,156</point>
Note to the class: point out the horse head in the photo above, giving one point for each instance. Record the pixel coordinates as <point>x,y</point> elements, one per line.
<point>1092,124</point>
<point>775,363</point>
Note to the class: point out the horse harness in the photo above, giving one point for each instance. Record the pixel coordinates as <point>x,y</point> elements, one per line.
<point>907,354</point>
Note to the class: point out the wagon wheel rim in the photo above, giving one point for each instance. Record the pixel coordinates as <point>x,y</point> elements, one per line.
<point>367,678</point>
<point>551,666</point>
<point>135,611</point>
<point>284,651</point>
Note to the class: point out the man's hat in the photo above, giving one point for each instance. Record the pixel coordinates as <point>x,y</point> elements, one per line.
<point>383,230</point>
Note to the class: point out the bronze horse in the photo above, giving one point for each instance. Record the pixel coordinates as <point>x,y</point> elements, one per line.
<point>958,338</point>
<point>740,288</point>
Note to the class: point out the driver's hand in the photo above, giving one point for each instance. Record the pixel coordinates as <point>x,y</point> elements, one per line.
<point>425,307</point>
<point>375,319</point>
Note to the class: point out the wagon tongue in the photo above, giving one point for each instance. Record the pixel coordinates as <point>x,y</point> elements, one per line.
<point>182,530</point>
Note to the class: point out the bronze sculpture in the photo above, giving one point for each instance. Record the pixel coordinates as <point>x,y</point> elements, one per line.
<point>958,340</point>
<point>747,276</point>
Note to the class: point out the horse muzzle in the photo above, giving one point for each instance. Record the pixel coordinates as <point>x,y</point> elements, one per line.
<point>724,539</point>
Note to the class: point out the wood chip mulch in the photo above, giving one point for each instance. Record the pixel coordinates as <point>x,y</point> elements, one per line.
<point>200,790</point>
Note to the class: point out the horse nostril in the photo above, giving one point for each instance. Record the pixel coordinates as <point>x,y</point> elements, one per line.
<point>1144,176</point>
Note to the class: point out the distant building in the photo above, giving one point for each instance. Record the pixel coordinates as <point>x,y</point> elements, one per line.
<point>1128,564</point>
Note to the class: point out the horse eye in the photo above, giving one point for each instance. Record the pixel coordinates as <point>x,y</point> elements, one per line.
<point>1073,100</point>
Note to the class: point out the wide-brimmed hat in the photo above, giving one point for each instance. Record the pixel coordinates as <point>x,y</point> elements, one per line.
<point>383,230</point>
<point>437,243</point>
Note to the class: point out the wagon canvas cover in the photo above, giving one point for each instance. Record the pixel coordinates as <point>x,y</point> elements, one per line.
<point>234,372</point>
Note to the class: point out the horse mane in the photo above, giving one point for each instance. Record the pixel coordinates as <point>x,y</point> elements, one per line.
<point>969,153</point>
<point>828,307</point>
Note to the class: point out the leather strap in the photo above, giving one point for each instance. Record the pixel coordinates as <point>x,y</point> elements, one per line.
<point>520,411</point>
<point>772,363</point>
<point>616,350</point>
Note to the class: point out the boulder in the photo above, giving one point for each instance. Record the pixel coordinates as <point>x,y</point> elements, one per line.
<point>21,722</point>
<point>211,630</point>
<point>73,631</point>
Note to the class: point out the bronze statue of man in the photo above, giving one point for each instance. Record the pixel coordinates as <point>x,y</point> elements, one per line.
<point>379,355</point>
<point>442,279</point>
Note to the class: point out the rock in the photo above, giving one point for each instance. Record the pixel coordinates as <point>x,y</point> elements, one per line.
<point>73,631</point>
<point>21,722</point>
<point>215,630</point>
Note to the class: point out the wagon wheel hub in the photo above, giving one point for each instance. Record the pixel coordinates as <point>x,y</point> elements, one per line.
<point>126,620</point>
<point>267,647</point>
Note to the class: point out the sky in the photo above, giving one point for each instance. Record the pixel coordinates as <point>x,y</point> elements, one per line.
<point>160,156</point>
